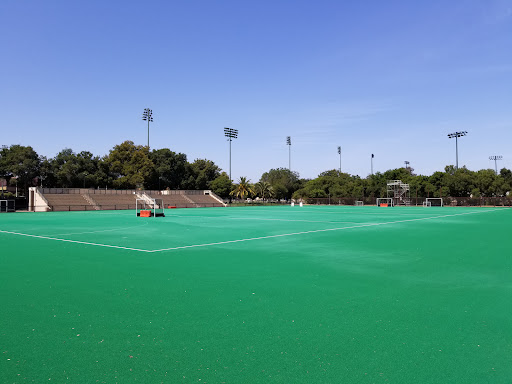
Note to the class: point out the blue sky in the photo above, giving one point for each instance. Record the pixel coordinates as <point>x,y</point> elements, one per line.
<point>391,78</point>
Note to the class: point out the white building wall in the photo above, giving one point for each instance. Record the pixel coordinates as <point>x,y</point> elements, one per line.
<point>36,201</point>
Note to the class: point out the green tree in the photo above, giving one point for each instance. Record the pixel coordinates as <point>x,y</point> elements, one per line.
<point>429,189</point>
<point>484,181</point>
<point>222,185</point>
<point>507,175</point>
<point>20,165</point>
<point>333,183</point>
<point>200,174</point>
<point>71,170</point>
<point>242,189</point>
<point>300,194</point>
<point>460,181</point>
<point>130,165</point>
<point>170,169</point>
<point>283,181</point>
<point>264,189</point>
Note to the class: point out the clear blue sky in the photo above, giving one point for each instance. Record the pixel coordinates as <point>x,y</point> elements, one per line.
<point>391,78</point>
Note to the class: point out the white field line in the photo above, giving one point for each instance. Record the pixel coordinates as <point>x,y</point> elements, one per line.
<point>387,212</point>
<point>74,241</point>
<point>313,231</point>
<point>304,221</point>
<point>103,230</point>
<point>335,210</point>
<point>239,240</point>
<point>290,220</point>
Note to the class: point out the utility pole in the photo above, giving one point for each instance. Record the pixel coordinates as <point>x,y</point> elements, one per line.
<point>289,144</point>
<point>147,115</point>
<point>496,158</point>
<point>231,134</point>
<point>457,135</point>
<point>339,153</point>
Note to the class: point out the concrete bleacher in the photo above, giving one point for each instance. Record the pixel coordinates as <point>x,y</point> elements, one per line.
<point>62,199</point>
<point>114,201</point>
<point>205,200</point>
<point>67,202</point>
<point>187,200</point>
<point>178,201</point>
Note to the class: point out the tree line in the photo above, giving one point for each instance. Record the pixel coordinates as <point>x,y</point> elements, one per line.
<point>130,166</point>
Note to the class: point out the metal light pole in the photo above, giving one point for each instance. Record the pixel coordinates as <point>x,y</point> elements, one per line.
<point>231,134</point>
<point>289,144</point>
<point>147,115</point>
<point>372,162</point>
<point>339,153</point>
<point>406,164</point>
<point>496,158</point>
<point>457,135</point>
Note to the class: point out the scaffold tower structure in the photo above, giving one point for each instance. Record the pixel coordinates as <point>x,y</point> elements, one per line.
<point>399,192</point>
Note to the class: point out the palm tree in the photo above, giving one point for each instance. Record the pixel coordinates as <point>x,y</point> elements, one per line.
<point>242,189</point>
<point>264,189</point>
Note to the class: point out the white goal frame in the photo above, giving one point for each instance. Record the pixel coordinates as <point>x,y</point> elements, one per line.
<point>7,206</point>
<point>359,203</point>
<point>156,206</point>
<point>428,201</point>
<point>389,200</point>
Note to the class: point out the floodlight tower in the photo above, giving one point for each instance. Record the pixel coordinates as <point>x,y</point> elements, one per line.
<point>289,144</point>
<point>339,153</point>
<point>457,135</point>
<point>496,158</point>
<point>406,164</point>
<point>372,162</point>
<point>147,115</point>
<point>231,134</point>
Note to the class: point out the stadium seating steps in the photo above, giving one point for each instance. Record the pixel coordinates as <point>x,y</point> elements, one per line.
<point>96,201</point>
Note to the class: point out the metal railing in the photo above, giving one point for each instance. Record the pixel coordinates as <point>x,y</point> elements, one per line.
<point>92,191</point>
<point>116,207</point>
<point>418,201</point>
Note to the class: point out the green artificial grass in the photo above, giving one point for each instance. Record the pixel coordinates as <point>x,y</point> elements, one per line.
<point>319,294</point>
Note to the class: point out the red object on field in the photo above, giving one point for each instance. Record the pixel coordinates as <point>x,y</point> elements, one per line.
<point>170,206</point>
<point>383,204</point>
<point>145,213</point>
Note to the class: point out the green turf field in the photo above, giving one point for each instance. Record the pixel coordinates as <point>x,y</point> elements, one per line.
<point>319,294</point>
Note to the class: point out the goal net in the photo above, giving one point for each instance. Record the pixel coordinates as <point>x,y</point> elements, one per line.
<point>433,202</point>
<point>148,207</point>
<point>359,203</point>
<point>385,202</point>
<point>7,206</point>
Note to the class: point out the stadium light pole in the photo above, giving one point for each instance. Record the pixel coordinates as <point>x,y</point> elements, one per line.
<point>231,134</point>
<point>147,115</point>
<point>372,162</point>
<point>457,135</point>
<point>339,153</point>
<point>406,164</point>
<point>496,158</point>
<point>289,144</point>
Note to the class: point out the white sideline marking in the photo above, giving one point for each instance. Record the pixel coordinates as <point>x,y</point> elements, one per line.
<point>103,230</point>
<point>290,220</point>
<point>75,241</point>
<point>381,213</point>
<point>304,221</point>
<point>313,231</point>
<point>239,240</point>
